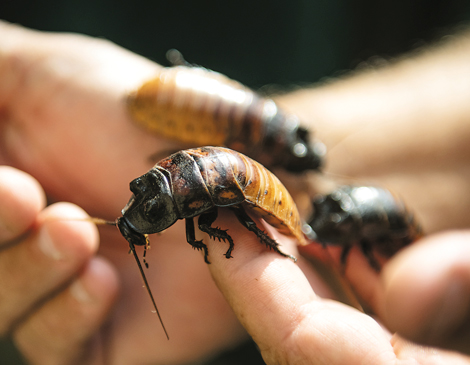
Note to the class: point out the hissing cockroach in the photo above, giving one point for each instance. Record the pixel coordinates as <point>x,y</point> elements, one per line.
<point>202,107</point>
<point>367,216</point>
<point>197,182</point>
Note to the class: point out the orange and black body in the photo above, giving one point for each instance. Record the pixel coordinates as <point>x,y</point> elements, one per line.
<point>367,216</point>
<point>197,182</point>
<point>202,107</point>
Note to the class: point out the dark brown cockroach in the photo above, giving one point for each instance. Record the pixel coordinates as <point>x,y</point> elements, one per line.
<point>197,182</point>
<point>367,216</point>
<point>202,107</point>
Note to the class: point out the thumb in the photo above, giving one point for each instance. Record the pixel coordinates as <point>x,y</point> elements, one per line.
<point>427,291</point>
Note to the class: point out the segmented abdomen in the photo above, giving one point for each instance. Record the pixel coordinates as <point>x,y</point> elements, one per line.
<point>202,107</point>
<point>227,174</point>
<point>181,103</point>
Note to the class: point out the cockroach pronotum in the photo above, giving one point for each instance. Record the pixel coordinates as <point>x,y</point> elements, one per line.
<point>197,182</point>
<point>367,216</point>
<point>202,107</point>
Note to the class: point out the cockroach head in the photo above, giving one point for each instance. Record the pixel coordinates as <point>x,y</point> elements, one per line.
<point>332,219</point>
<point>151,208</point>
<point>305,154</point>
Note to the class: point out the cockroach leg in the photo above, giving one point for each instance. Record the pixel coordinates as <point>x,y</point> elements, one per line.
<point>191,238</point>
<point>204,223</point>
<point>249,224</point>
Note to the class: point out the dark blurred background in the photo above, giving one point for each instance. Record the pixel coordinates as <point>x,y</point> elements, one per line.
<point>257,42</point>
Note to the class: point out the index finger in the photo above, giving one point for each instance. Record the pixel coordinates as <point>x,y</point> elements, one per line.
<point>274,301</point>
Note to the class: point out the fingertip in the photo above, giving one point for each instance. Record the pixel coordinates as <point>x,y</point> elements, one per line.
<point>426,289</point>
<point>256,278</point>
<point>64,229</point>
<point>22,198</point>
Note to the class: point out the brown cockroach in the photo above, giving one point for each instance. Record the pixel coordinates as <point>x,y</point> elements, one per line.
<point>200,107</point>
<point>197,182</point>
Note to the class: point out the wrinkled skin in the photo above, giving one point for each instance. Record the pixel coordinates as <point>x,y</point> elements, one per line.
<point>65,298</point>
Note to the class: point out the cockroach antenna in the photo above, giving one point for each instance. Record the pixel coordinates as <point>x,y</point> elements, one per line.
<point>100,221</point>
<point>148,287</point>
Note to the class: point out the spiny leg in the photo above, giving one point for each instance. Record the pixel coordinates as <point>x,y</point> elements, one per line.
<point>249,224</point>
<point>191,238</point>
<point>205,222</point>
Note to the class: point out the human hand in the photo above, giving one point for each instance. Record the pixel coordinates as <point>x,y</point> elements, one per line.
<point>405,127</point>
<point>54,293</point>
<point>425,292</point>
<point>291,323</point>
<point>199,322</point>
<point>64,122</point>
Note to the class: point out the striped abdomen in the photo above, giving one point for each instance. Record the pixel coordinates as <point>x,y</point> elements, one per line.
<point>202,107</point>
<point>230,178</point>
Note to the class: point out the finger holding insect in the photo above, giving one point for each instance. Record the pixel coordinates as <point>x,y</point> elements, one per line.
<point>37,267</point>
<point>291,323</point>
<point>22,198</point>
<point>278,307</point>
<point>63,330</point>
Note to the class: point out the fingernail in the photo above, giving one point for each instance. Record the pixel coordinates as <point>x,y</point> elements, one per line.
<point>78,291</point>
<point>47,246</point>
<point>451,312</point>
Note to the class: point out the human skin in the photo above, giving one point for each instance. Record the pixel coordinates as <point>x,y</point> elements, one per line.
<point>405,126</point>
<point>65,298</point>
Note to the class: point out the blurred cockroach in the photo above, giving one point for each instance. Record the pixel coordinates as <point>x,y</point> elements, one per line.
<point>202,107</point>
<point>366,216</point>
